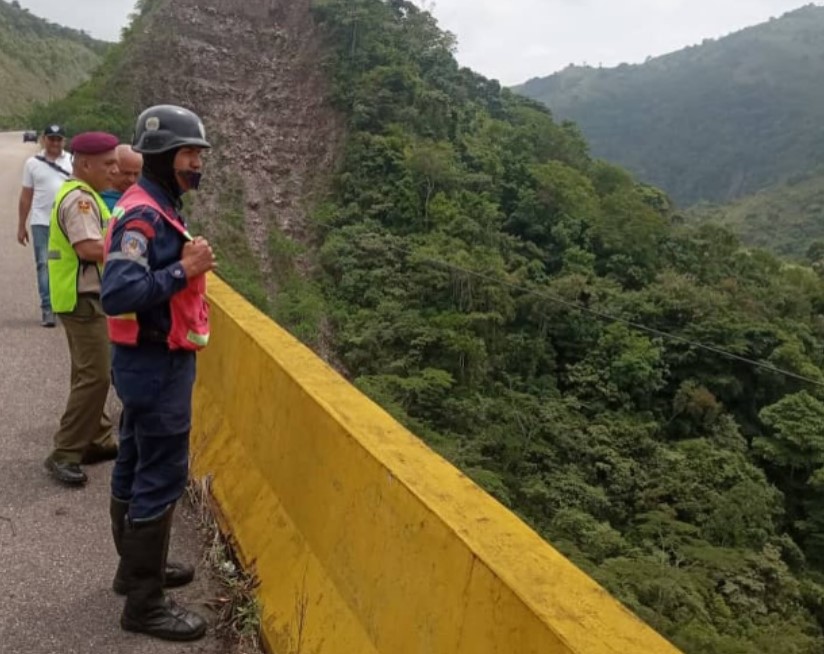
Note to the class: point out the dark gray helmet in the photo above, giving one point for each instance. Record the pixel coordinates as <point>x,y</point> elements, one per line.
<point>166,127</point>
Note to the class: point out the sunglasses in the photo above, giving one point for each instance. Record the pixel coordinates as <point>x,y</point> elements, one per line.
<point>53,137</point>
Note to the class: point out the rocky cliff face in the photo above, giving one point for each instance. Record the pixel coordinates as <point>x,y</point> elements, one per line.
<point>252,70</point>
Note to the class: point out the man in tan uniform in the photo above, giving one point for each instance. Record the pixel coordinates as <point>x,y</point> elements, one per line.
<point>78,223</point>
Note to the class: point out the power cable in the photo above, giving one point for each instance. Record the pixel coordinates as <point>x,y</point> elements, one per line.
<point>598,314</point>
<point>630,323</point>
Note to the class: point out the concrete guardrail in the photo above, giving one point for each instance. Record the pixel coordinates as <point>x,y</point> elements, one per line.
<point>363,539</point>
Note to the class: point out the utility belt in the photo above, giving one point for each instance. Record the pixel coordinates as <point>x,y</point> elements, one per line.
<point>157,340</point>
<point>153,336</point>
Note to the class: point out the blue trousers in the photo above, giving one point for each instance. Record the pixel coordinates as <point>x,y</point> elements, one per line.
<point>155,387</point>
<point>40,245</point>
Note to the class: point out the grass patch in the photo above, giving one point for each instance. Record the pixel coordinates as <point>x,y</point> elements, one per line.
<point>237,264</point>
<point>299,305</point>
<point>300,308</point>
<point>237,608</point>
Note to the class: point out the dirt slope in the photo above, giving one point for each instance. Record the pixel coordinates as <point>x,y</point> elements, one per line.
<point>252,69</point>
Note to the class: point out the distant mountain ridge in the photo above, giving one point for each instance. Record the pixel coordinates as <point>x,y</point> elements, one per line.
<point>40,61</point>
<point>711,122</point>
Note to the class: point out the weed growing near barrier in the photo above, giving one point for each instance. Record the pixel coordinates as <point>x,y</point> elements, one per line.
<point>237,608</point>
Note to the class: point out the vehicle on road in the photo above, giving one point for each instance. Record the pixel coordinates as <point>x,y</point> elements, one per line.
<point>29,136</point>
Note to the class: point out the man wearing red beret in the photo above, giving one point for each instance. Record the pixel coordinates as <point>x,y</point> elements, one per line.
<point>77,230</point>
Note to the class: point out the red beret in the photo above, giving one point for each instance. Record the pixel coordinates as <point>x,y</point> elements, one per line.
<point>93,143</point>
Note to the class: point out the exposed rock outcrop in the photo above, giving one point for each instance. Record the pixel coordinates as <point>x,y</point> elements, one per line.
<point>252,69</point>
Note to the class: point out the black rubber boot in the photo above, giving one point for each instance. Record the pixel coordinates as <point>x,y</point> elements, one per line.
<point>177,574</point>
<point>143,562</point>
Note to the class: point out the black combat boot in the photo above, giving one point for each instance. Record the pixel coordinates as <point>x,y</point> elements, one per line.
<point>143,560</point>
<point>177,574</point>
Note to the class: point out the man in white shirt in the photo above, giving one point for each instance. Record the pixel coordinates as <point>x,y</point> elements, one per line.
<point>43,175</point>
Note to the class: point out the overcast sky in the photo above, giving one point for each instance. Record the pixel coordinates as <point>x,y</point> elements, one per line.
<point>514,40</point>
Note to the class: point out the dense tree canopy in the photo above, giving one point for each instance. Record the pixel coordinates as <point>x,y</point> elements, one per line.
<point>787,219</point>
<point>466,251</point>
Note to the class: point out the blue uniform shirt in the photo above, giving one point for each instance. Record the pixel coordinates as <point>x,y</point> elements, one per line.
<point>143,268</point>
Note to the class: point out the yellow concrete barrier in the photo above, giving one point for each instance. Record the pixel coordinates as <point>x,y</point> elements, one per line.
<point>364,540</point>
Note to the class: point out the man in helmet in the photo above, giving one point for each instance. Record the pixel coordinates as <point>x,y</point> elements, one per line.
<point>153,292</point>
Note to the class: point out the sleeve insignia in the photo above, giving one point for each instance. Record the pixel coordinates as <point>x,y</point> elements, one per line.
<point>84,206</point>
<point>134,244</point>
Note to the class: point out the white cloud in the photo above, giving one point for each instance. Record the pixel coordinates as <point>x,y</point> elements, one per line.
<point>514,40</point>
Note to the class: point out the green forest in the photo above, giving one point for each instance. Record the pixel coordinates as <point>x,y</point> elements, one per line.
<point>787,219</point>
<point>103,101</point>
<point>468,247</point>
<point>39,62</point>
<point>713,122</point>
<point>646,393</point>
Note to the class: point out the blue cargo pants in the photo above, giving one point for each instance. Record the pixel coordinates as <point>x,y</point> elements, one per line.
<point>155,386</point>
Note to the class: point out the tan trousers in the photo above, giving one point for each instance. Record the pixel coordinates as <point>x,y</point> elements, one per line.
<point>85,421</point>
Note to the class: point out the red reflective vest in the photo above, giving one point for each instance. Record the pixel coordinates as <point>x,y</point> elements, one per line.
<point>189,308</point>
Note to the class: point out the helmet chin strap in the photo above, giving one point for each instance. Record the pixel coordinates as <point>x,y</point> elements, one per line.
<point>191,178</point>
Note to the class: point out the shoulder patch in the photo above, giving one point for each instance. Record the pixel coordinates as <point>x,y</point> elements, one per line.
<point>84,206</point>
<point>134,244</point>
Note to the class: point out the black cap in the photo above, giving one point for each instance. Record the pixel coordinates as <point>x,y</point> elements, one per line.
<point>166,127</point>
<point>54,130</point>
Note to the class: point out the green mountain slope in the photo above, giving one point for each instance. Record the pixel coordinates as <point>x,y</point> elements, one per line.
<point>785,219</point>
<point>536,315</point>
<point>712,122</point>
<point>40,61</point>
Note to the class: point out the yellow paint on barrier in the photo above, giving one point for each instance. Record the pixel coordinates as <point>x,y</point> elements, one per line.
<point>364,540</point>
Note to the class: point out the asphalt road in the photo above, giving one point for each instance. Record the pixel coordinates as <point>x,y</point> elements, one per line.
<point>56,554</point>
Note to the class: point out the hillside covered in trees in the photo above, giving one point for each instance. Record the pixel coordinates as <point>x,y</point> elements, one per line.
<point>648,395</point>
<point>711,122</point>
<point>39,61</point>
<point>786,219</point>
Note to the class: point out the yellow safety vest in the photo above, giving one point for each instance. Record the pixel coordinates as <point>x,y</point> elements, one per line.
<point>64,264</point>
